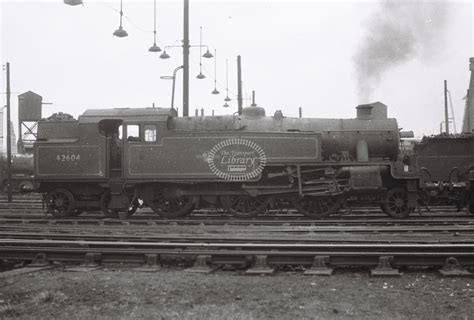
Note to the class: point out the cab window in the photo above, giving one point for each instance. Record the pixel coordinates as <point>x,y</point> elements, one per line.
<point>133,132</point>
<point>120,132</point>
<point>150,133</point>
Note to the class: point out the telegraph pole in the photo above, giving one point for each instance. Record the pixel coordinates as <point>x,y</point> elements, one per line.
<point>239,86</point>
<point>9,143</point>
<point>186,59</point>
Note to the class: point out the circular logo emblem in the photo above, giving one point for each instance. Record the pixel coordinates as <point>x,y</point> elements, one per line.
<point>237,159</point>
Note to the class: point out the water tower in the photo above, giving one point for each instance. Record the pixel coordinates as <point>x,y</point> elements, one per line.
<point>29,113</point>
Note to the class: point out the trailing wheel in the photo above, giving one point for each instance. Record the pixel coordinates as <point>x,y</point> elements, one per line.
<point>317,207</point>
<point>170,205</point>
<point>245,206</point>
<point>60,203</point>
<point>395,203</point>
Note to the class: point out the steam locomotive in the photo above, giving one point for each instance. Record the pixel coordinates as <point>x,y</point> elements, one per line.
<point>22,173</point>
<point>115,159</point>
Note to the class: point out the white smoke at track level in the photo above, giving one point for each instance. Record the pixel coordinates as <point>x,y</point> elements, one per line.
<point>397,32</point>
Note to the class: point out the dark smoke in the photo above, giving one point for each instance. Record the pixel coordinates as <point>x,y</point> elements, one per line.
<point>398,31</point>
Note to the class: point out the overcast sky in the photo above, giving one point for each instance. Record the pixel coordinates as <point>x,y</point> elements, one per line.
<point>294,54</point>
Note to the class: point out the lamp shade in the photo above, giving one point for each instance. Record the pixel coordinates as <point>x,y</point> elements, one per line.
<point>73,2</point>
<point>164,55</point>
<point>207,54</point>
<point>120,32</point>
<point>154,48</point>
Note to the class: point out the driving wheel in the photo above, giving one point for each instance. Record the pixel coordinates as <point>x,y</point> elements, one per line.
<point>167,204</point>
<point>317,207</point>
<point>245,206</point>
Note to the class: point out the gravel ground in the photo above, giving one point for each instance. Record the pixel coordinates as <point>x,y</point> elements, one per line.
<point>121,293</point>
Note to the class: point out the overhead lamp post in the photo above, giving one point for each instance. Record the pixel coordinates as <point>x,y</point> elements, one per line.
<point>215,91</point>
<point>186,46</point>
<point>120,32</point>
<point>154,47</point>
<point>200,75</point>
<point>173,77</point>
<point>227,99</point>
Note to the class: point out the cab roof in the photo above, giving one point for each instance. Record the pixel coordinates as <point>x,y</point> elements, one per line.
<point>127,114</point>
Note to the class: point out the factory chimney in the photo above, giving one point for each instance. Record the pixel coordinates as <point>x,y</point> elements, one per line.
<point>468,122</point>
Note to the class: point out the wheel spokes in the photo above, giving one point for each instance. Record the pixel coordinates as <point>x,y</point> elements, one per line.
<point>317,207</point>
<point>244,205</point>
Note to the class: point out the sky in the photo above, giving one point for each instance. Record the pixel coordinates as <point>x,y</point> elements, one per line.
<point>305,54</point>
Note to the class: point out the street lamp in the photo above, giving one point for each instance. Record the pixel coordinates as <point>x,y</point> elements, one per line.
<point>173,77</point>
<point>227,99</point>
<point>120,32</point>
<point>215,91</point>
<point>154,47</point>
<point>206,55</point>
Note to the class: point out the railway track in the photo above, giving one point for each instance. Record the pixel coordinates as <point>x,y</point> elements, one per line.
<point>361,237</point>
<point>261,257</point>
<point>441,222</point>
<point>237,237</point>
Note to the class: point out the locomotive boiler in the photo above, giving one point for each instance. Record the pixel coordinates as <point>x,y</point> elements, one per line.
<point>112,158</point>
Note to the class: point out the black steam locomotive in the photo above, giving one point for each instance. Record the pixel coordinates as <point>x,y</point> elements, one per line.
<point>114,159</point>
<point>22,173</point>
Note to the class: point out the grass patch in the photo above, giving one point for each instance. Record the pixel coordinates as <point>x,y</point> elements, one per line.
<point>8,310</point>
<point>200,312</point>
<point>45,297</point>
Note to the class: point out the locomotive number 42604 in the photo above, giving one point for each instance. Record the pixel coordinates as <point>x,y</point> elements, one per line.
<point>68,157</point>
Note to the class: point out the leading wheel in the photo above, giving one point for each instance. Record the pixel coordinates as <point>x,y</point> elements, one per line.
<point>60,203</point>
<point>170,205</point>
<point>395,203</point>
<point>317,207</point>
<point>245,206</point>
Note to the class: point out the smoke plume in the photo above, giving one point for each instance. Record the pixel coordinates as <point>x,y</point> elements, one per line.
<point>398,31</point>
